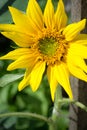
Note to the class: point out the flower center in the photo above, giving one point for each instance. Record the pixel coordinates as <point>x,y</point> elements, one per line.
<point>48,46</point>
<point>51,46</point>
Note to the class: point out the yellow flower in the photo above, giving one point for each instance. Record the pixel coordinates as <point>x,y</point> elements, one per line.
<point>46,44</point>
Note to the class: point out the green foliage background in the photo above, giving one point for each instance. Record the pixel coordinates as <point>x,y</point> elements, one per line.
<point>25,101</point>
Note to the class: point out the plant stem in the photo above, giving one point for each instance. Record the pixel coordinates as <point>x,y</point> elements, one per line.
<point>78,104</point>
<point>56,109</point>
<point>26,115</point>
<point>58,102</point>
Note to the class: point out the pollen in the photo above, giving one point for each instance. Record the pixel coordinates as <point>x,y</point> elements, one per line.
<point>52,46</point>
<point>48,46</point>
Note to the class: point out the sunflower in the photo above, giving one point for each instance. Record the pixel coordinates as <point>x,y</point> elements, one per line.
<point>46,45</point>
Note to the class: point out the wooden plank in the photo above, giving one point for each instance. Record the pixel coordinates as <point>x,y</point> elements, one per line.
<point>78,117</point>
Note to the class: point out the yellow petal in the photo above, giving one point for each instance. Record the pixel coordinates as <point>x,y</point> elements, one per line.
<point>9,28</point>
<point>62,76</point>
<point>52,80</point>
<point>24,83</point>
<point>49,14</point>
<point>35,14</point>
<point>77,72</point>
<point>22,20</point>
<point>15,54</point>
<point>22,40</point>
<point>78,50</point>
<point>72,30</point>
<point>36,75</point>
<point>25,80</point>
<point>77,61</point>
<point>18,16</point>
<point>81,39</point>
<point>18,29</point>
<point>25,61</point>
<point>60,16</point>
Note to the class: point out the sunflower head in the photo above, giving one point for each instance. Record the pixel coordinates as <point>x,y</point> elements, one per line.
<point>46,44</point>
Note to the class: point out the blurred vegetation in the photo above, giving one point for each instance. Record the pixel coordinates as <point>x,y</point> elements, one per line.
<point>11,100</point>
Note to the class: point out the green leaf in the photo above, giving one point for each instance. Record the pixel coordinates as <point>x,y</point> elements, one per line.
<point>22,3</point>
<point>42,4</point>
<point>9,122</point>
<point>8,78</point>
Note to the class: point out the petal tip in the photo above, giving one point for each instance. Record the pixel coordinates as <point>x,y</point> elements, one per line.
<point>20,88</point>
<point>83,23</point>
<point>8,68</point>
<point>71,97</point>
<point>10,8</point>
